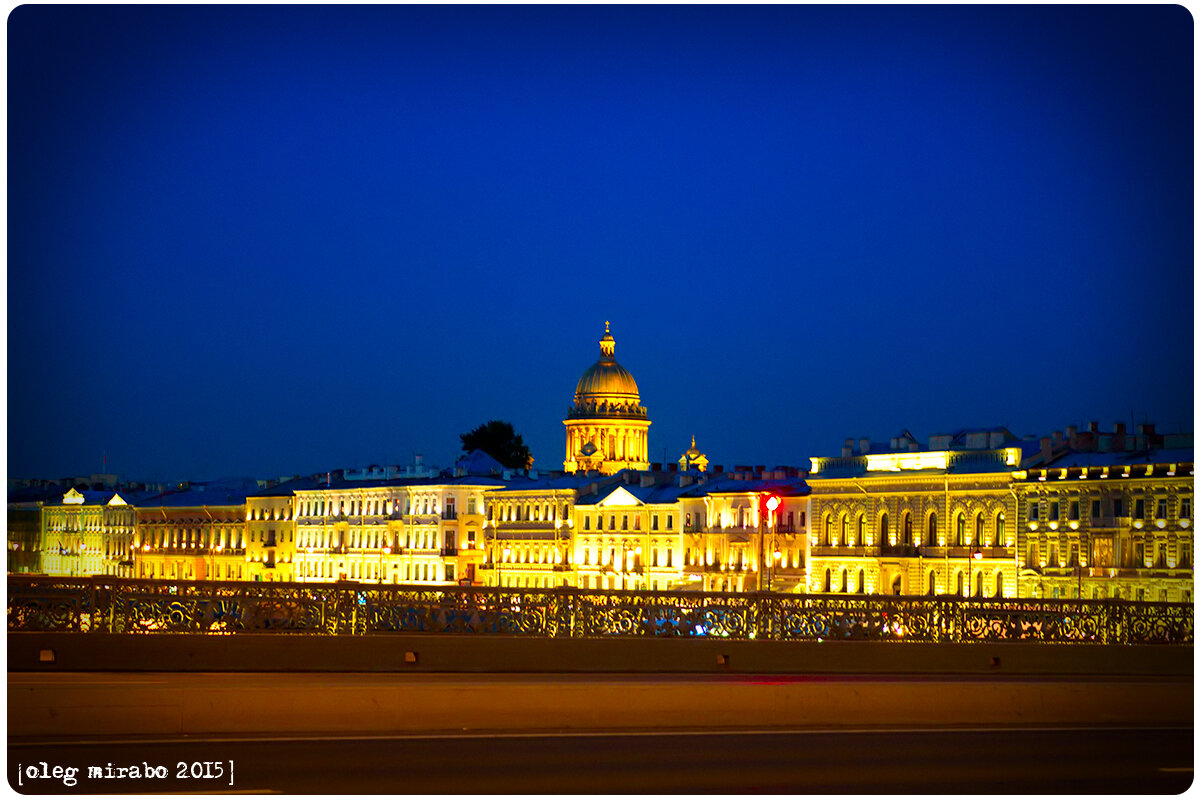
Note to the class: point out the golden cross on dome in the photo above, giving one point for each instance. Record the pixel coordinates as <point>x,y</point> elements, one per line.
<point>606,326</point>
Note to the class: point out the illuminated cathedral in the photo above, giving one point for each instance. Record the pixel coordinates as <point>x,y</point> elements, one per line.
<point>607,424</point>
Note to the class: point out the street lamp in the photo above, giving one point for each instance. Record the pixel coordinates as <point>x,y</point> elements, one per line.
<point>771,502</point>
<point>977,555</point>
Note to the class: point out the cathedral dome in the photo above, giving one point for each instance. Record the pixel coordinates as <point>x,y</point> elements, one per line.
<point>606,378</point>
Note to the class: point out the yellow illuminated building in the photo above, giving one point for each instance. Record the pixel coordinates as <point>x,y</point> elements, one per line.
<point>528,532</point>
<point>271,534</point>
<point>606,425</point>
<point>1112,523</point>
<point>900,518</point>
<point>198,533</point>
<point>88,533</point>
<point>427,532</point>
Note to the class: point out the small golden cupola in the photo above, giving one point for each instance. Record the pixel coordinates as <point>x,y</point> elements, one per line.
<point>693,458</point>
<point>606,425</point>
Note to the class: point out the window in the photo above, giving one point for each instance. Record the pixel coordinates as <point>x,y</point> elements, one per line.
<point>669,522</point>
<point>624,522</point>
<point>1118,506</point>
<point>1054,511</point>
<point>1033,510</point>
<point>933,528</point>
<point>1185,507</point>
<point>862,528</point>
<point>828,532</point>
<point>599,522</point>
<point>979,530</point>
<point>654,522</point>
<point>907,528</point>
<point>1161,512</point>
<point>960,531</point>
<point>587,522</point>
<point>883,529</point>
<point>932,585</point>
<point>802,518</point>
<point>845,527</point>
<point>612,522</point>
<point>1139,508</point>
<point>1095,509</point>
<point>1073,510</point>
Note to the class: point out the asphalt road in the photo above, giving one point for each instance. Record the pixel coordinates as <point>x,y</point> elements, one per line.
<point>969,761</point>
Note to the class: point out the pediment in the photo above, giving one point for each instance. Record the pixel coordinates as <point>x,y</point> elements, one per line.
<point>620,496</point>
<point>73,497</point>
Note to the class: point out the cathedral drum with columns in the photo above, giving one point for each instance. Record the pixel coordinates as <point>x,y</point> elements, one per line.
<point>607,425</point>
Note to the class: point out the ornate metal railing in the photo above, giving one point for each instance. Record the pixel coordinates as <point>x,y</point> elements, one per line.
<point>118,605</point>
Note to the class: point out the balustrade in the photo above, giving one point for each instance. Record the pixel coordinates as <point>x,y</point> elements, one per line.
<point>121,605</point>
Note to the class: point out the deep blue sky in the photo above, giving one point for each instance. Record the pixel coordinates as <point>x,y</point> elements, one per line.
<point>270,240</point>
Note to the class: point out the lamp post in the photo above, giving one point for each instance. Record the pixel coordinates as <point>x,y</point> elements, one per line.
<point>771,502</point>
<point>977,555</point>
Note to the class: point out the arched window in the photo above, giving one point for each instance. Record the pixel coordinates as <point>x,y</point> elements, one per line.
<point>979,530</point>
<point>999,584</point>
<point>845,527</point>
<point>932,585</point>
<point>960,531</point>
<point>908,528</point>
<point>861,581</point>
<point>1000,529</point>
<point>932,529</point>
<point>883,529</point>
<point>845,583</point>
<point>828,532</point>
<point>827,579</point>
<point>978,590</point>
<point>958,582</point>
<point>862,529</point>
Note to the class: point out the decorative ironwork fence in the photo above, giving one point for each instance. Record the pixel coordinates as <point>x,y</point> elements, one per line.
<point>116,605</point>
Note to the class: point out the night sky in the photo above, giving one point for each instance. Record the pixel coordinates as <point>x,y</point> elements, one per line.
<point>277,240</point>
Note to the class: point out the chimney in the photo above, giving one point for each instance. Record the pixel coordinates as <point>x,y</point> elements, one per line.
<point>1093,427</point>
<point>1118,440</point>
<point>1072,433</point>
<point>718,469</point>
<point>656,467</point>
<point>848,448</point>
<point>1045,448</point>
<point>864,445</point>
<point>759,469</point>
<point>647,480</point>
<point>672,467</point>
<point>1058,438</point>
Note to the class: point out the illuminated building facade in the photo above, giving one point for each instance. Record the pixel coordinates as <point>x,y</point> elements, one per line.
<point>903,518</point>
<point>271,533</point>
<point>88,533</point>
<point>198,533</point>
<point>607,425</point>
<point>528,533</point>
<point>1108,514</point>
<point>629,536</point>
<point>418,531</point>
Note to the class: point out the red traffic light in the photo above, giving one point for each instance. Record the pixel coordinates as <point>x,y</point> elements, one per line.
<point>772,502</point>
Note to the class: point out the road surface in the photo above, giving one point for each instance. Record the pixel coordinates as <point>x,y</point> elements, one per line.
<point>898,761</point>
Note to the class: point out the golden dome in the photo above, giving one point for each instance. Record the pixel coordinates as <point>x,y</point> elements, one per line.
<point>606,378</point>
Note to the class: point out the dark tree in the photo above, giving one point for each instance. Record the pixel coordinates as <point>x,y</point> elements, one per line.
<point>498,439</point>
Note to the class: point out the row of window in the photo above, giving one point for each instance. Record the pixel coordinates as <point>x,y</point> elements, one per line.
<point>960,530</point>
<point>1116,506</point>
